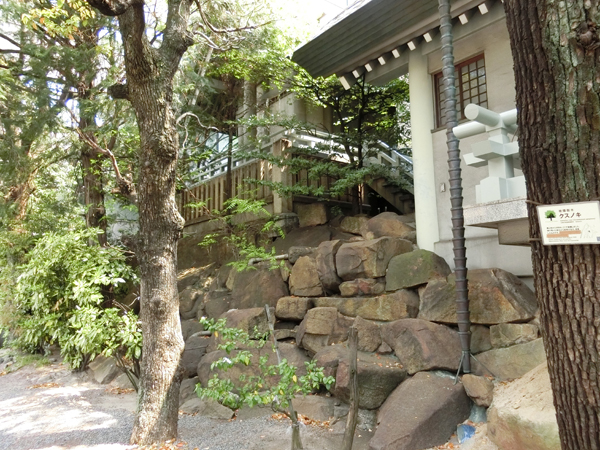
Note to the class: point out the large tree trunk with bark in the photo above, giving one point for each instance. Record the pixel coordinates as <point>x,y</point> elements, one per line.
<point>149,88</point>
<point>555,48</point>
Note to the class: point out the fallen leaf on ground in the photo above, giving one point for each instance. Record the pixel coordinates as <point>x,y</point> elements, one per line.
<point>44,385</point>
<point>118,390</point>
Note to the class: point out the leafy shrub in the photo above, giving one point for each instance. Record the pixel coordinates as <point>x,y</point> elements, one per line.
<point>247,238</point>
<point>257,390</point>
<point>58,298</point>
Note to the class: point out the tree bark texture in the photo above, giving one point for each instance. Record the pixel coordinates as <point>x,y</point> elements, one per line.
<point>557,62</point>
<point>150,73</point>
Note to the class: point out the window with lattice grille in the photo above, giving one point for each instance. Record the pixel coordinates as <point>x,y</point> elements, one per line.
<point>471,87</point>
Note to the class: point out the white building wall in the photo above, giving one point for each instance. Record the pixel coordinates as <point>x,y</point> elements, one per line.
<point>422,121</point>
<point>483,249</point>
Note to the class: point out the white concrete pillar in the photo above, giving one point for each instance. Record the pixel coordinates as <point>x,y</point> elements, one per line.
<point>422,122</point>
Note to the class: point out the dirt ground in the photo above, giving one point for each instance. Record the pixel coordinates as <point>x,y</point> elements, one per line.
<point>52,408</point>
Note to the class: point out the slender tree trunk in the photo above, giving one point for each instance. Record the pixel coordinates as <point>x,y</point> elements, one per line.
<point>20,194</point>
<point>352,418</point>
<point>557,62</point>
<point>95,215</point>
<point>150,71</point>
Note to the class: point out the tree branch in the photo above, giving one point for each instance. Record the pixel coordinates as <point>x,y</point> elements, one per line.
<point>12,41</point>
<point>113,7</point>
<point>226,30</point>
<point>119,91</point>
<point>176,38</point>
<point>124,183</point>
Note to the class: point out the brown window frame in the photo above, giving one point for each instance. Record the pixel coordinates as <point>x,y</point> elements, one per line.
<point>463,95</point>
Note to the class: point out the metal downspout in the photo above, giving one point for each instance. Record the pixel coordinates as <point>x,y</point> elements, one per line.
<point>456,199</point>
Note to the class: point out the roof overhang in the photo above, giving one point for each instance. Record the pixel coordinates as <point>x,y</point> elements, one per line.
<point>379,34</point>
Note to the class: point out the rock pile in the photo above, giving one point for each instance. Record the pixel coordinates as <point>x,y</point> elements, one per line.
<point>368,273</point>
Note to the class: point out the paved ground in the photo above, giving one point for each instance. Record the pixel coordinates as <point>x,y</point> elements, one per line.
<point>52,408</point>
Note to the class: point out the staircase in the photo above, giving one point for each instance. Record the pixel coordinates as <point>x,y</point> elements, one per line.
<point>397,190</point>
<point>393,192</point>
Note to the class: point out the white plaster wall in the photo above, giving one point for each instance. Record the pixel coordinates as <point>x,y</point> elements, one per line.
<point>483,250</point>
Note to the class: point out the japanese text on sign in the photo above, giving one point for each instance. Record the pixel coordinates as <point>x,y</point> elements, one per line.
<point>570,223</point>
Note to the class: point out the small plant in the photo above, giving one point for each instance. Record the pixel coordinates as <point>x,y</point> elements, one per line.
<point>275,385</point>
<point>247,239</point>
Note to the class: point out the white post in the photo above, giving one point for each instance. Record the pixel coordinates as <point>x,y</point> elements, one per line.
<point>421,118</point>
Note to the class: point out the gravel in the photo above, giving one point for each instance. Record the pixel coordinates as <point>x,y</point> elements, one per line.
<point>51,408</point>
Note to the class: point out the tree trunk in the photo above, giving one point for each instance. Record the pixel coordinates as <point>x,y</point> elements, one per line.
<point>556,56</point>
<point>353,412</point>
<point>20,194</point>
<point>95,215</point>
<point>150,71</point>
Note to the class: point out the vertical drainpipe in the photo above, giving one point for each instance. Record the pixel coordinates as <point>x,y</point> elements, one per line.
<point>456,199</point>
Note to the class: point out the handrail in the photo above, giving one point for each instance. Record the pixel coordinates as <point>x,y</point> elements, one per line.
<point>218,166</point>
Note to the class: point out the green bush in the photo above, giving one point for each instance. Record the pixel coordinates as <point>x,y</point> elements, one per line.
<point>59,295</point>
<point>257,390</point>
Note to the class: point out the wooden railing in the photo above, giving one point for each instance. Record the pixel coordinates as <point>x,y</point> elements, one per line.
<point>213,191</point>
<point>213,188</point>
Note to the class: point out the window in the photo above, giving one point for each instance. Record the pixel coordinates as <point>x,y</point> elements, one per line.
<point>471,87</point>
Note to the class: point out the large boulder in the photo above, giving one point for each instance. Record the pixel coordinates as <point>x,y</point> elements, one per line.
<point>103,370</point>
<point>220,279</point>
<point>206,408</point>
<point>322,327</point>
<point>187,389</point>
<point>479,389</point>
<point>511,362</point>
<point>387,224</point>
<point>495,296</point>
<point>194,350</point>
<point>422,345</point>
<point>256,288</point>
<point>198,276</point>
<point>315,407</point>
<point>325,260</point>
<point>507,334</point>
<point>311,214</point>
<point>252,320</point>
<point>189,327</point>
<point>292,308</point>
<point>216,303</point>
<point>369,259</point>
<point>414,268</point>
<point>187,299</point>
<point>386,308</point>
<point>304,280</point>
<point>369,334</point>
<point>329,358</point>
<point>353,224</point>
<point>362,286</point>
<point>294,253</point>
<point>377,376</point>
<point>480,339</point>
<point>422,412</point>
<point>302,237</point>
<point>522,415</point>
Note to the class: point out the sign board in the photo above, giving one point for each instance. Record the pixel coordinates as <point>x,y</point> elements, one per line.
<point>570,223</point>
